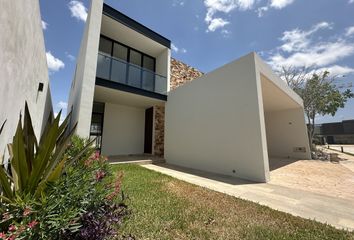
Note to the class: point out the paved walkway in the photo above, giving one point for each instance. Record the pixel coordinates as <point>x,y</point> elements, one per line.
<point>323,177</point>
<point>334,211</point>
<point>346,148</point>
<point>345,160</point>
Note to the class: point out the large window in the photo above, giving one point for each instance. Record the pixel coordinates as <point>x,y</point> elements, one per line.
<point>127,54</point>
<point>123,64</point>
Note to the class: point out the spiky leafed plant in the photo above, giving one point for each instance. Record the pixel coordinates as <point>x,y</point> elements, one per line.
<point>33,164</point>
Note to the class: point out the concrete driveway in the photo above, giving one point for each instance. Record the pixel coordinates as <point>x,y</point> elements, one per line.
<point>346,148</point>
<point>323,177</point>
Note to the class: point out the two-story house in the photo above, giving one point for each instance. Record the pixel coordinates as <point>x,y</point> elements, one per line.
<point>122,75</point>
<point>237,120</point>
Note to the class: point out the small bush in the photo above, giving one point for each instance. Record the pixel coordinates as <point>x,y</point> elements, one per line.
<point>84,203</point>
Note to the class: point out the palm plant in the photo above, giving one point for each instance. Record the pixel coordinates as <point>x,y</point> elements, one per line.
<point>33,164</point>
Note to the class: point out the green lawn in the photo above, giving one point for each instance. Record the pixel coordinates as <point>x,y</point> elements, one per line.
<point>166,208</point>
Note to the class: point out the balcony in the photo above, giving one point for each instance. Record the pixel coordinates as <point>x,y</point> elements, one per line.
<point>119,71</point>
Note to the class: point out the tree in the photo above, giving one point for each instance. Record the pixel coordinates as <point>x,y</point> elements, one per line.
<point>320,94</point>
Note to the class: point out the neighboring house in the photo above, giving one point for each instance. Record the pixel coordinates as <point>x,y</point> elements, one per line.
<point>135,99</point>
<point>336,132</point>
<point>23,68</point>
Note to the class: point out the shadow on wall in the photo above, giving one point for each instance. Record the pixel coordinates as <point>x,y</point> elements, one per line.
<point>213,176</point>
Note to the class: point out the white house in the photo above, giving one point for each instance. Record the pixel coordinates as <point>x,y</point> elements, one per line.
<point>122,75</point>
<point>233,120</point>
<point>230,121</point>
<point>23,68</point>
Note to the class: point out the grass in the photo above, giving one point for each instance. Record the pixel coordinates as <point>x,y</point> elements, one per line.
<point>166,208</point>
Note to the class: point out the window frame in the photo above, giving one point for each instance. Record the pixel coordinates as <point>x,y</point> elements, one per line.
<point>128,52</point>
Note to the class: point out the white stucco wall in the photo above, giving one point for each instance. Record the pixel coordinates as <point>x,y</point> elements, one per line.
<point>286,130</point>
<point>163,66</point>
<point>123,130</point>
<point>83,85</point>
<point>22,67</point>
<point>215,123</point>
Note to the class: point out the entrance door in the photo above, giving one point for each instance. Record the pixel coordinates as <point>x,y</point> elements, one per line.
<point>148,130</point>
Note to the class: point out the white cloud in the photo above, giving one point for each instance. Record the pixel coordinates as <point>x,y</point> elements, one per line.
<point>279,4</point>
<point>177,49</point>
<point>276,4</point>
<point>44,25</point>
<point>260,11</point>
<point>318,55</point>
<point>349,30</point>
<point>351,1</point>
<point>297,39</point>
<point>303,49</point>
<point>217,23</point>
<point>54,64</point>
<point>337,70</point>
<point>174,48</point>
<point>62,105</point>
<point>223,6</point>
<point>78,10</point>
<point>178,3</point>
<point>71,57</point>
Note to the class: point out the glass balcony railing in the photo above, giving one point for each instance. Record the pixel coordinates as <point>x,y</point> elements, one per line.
<point>119,71</point>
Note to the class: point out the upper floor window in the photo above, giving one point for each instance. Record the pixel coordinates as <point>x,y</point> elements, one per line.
<point>105,46</point>
<point>125,53</point>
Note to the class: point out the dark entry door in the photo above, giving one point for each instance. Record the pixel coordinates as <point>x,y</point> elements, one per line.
<point>148,130</point>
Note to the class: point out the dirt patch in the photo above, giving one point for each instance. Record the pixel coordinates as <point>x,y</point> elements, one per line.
<point>324,177</point>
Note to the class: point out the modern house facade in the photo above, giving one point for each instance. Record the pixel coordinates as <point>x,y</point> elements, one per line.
<point>122,77</point>
<point>131,96</point>
<point>21,80</point>
<point>234,121</point>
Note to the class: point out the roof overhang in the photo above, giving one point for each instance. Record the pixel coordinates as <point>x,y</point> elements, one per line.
<point>134,25</point>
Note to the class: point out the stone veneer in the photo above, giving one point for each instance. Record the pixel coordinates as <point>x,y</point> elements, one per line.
<point>181,73</point>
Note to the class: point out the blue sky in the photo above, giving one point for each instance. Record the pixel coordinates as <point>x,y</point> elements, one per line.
<point>206,34</point>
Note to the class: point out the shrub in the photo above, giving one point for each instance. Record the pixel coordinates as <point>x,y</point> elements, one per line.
<point>33,164</point>
<point>57,188</point>
<point>84,203</point>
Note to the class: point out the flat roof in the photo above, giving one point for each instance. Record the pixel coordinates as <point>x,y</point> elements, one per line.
<point>136,26</point>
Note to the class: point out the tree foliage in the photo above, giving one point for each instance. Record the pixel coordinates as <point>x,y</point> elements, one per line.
<point>320,94</point>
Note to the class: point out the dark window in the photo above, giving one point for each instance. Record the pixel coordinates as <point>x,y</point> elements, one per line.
<point>120,52</point>
<point>149,63</point>
<point>105,46</point>
<point>135,58</point>
<point>98,107</point>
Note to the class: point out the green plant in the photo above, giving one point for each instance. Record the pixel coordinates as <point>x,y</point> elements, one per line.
<point>76,147</point>
<point>85,199</point>
<point>33,164</point>
<point>1,156</point>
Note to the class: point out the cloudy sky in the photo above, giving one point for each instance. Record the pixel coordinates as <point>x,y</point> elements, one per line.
<point>206,34</point>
